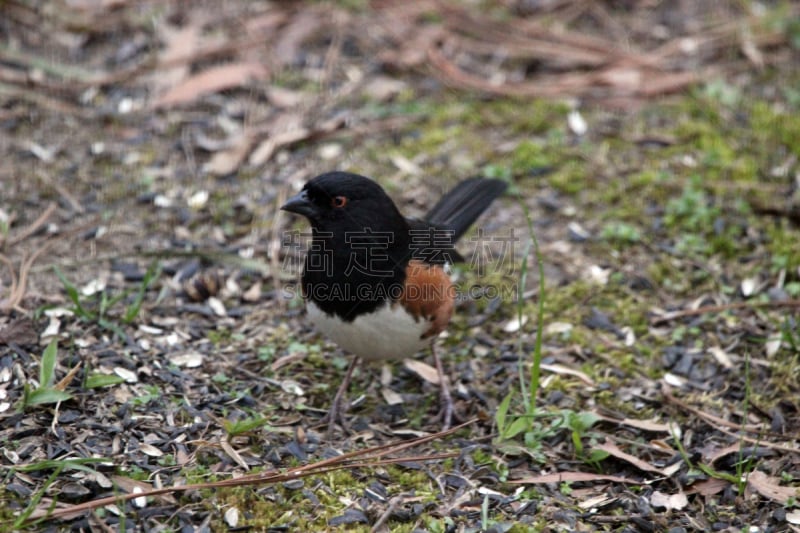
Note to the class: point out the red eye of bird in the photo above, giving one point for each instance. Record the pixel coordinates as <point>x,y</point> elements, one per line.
<point>339,201</point>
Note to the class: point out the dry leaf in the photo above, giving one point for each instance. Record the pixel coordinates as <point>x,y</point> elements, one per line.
<point>253,294</point>
<point>405,165</point>
<point>20,331</point>
<point>708,487</point>
<point>627,79</point>
<point>211,80</point>
<point>300,27</point>
<point>751,51</point>
<point>284,98</point>
<point>286,360</point>
<point>612,449</point>
<point>233,454</point>
<point>772,345</point>
<point>268,147</point>
<point>383,88</point>
<point>217,306</point>
<point>423,370</point>
<point>770,487</point>
<point>555,328</point>
<point>669,82</point>
<point>128,485</point>
<point>721,356</point>
<point>292,387</point>
<point>669,501</point>
<point>674,380</point>
<point>646,425</point>
<point>720,453</point>
<point>128,375</point>
<point>149,449</point>
<point>188,360</point>
<point>564,370</point>
<point>66,380</point>
<point>597,501</point>
<point>266,22</point>
<point>391,397</point>
<point>571,477</point>
<point>93,287</point>
<point>52,329</point>
<point>47,505</point>
<point>229,160</point>
<point>179,43</point>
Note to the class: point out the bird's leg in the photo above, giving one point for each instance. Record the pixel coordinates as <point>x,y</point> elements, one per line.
<point>337,409</point>
<point>445,398</point>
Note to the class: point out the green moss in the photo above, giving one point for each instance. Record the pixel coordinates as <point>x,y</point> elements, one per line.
<point>529,528</point>
<point>570,177</point>
<point>620,233</point>
<point>455,123</point>
<point>416,480</point>
<point>219,336</point>
<point>7,512</point>
<point>275,505</point>
<point>610,400</point>
<point>688,198</point>
<point>649,179</point>
<point>782,239</point>
<point>771,127</point>
<point>525,117</point>
<point>529,155</point>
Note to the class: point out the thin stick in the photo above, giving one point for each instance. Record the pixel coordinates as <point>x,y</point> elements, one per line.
<point>708,309</point>
<point>34,227</point>
<point>370,457</point>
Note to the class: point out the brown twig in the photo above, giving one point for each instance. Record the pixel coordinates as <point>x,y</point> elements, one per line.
<point>34,226</point>
<point>13,287</point>
<point>708,309</point>
<point>386,514</point>
<point>720,423</point>
<point>19,287</point>
<point>367,458</point>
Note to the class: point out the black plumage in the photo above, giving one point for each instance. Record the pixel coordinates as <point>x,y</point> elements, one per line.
<point>360,249</point>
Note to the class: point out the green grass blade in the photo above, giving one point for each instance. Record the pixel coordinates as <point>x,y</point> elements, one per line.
<point>48,367</point>
<point>58,467</point>
<point>523,278</point>
<point>46,395</point>
<point>153,272</point>
<point>537,350</point>
<point>73,295</point>
<point>96,381</point>
<point>112,327</point>
<point>22,519</point>
<point>73,464</point>
<point>521,424</point>
<point>500,415</point>
<point>237,427</point>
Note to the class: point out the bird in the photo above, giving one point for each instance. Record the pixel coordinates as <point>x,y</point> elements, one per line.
<point>376,282</point>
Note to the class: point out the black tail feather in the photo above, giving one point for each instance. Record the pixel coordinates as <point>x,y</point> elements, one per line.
<point>463,204</point>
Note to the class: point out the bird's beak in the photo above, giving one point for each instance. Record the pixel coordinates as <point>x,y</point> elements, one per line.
<point>300,204</point>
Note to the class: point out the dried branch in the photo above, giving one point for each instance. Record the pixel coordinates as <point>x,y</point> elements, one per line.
<point>367,458</point>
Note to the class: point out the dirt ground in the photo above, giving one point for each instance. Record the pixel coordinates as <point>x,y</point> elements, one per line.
<point>157,372</point>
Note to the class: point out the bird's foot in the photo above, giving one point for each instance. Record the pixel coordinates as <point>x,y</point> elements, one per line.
<point>447,408</point>
<point>339,405</point>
